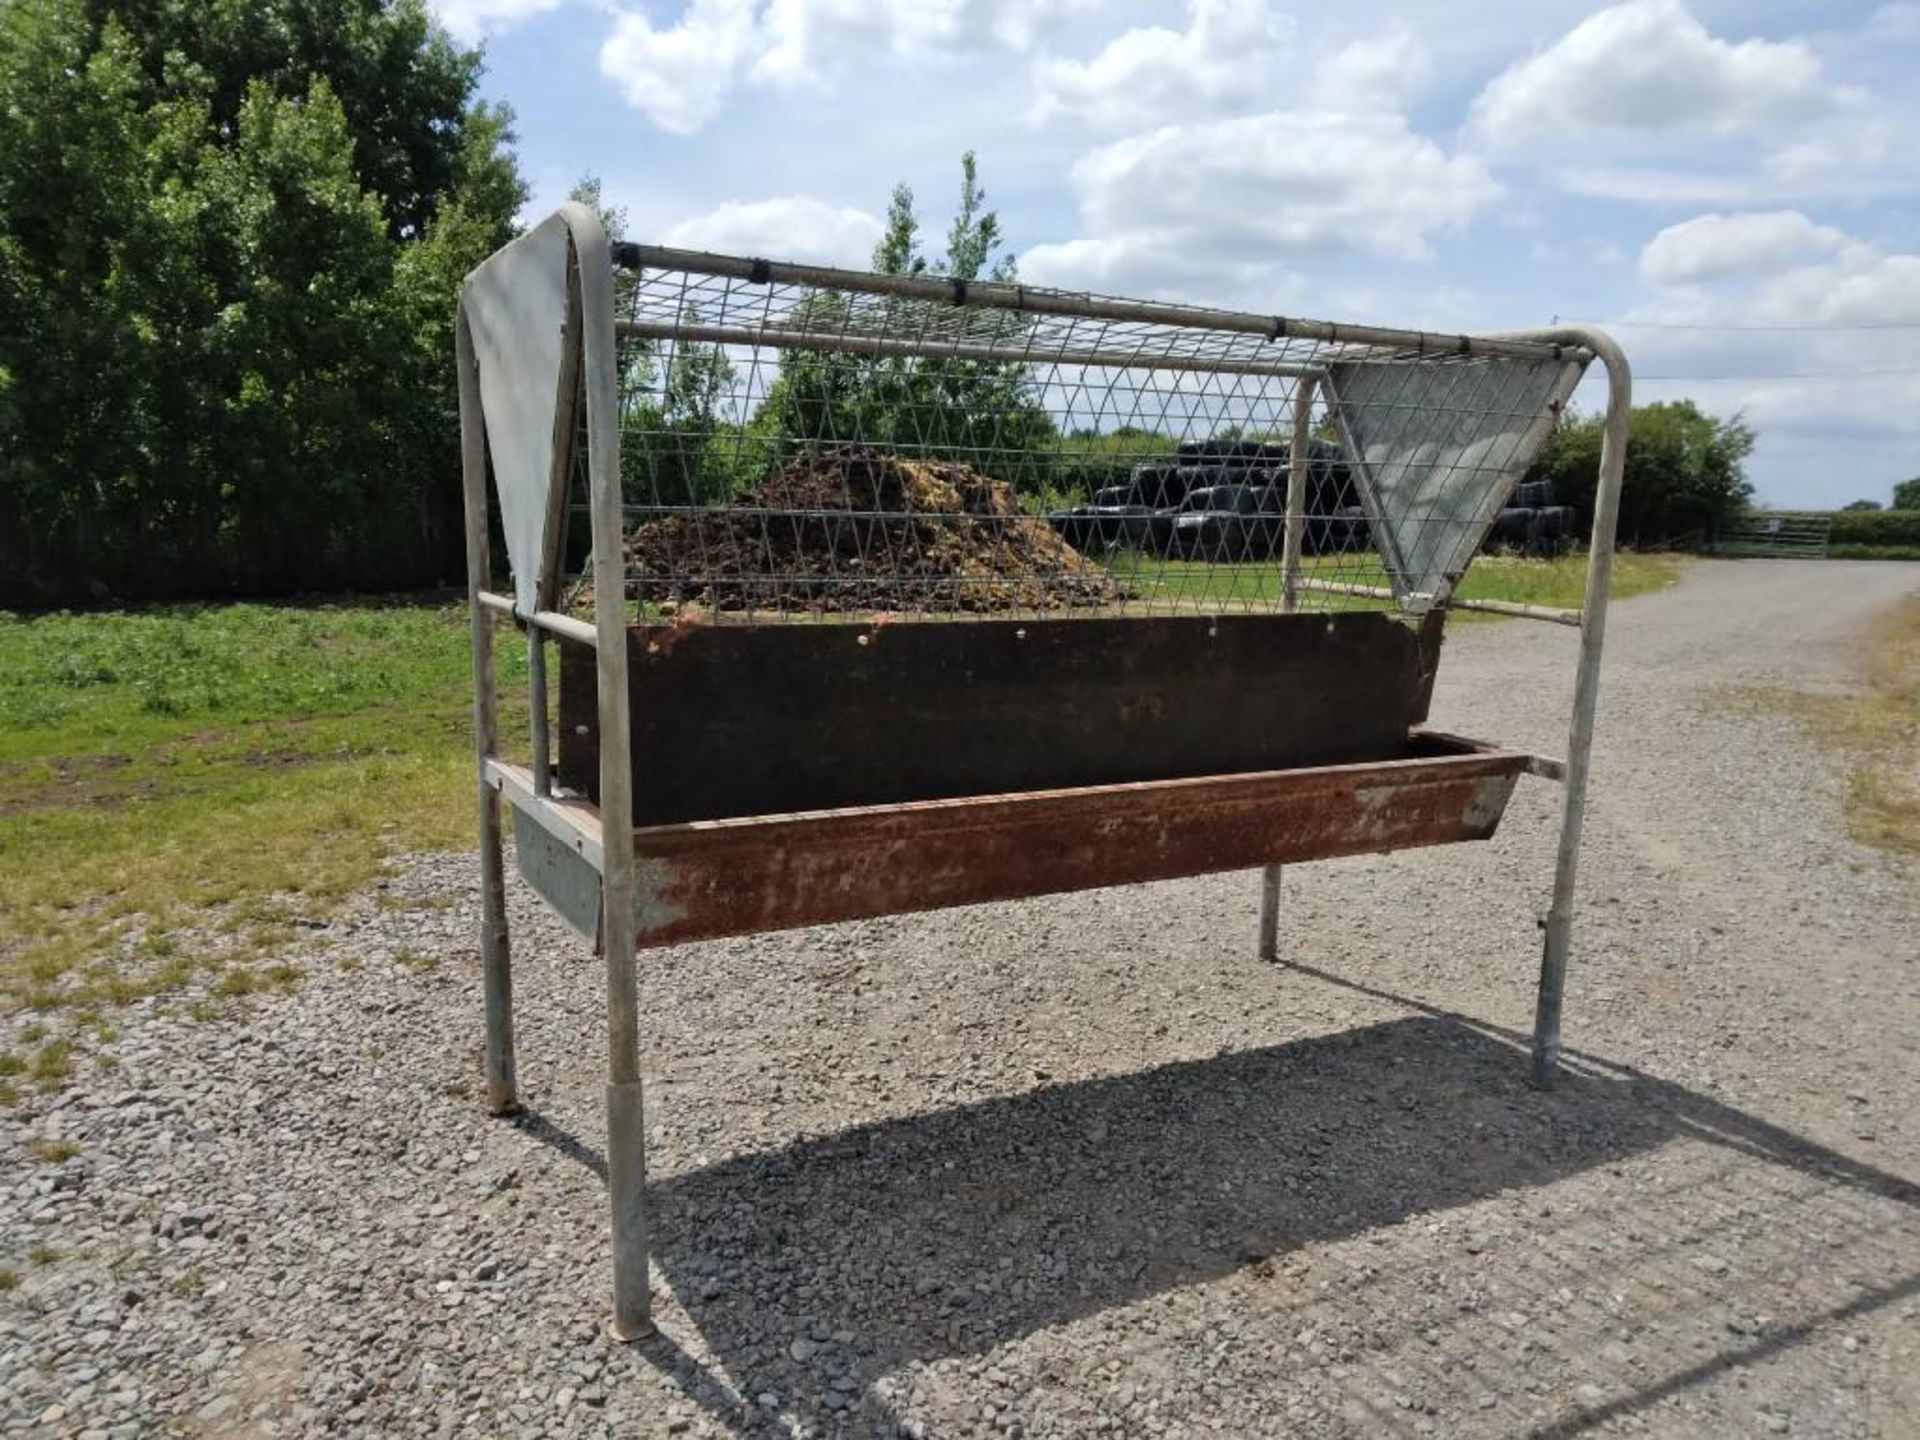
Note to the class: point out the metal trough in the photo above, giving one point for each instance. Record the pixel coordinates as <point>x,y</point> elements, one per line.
<point>706,879</point>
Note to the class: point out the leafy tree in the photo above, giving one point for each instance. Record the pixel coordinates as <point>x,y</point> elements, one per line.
<point>988,414</point>
<point>231,237</point>
<point>1861,505</point>
<point>676,446</point>
<point>1685,469</point>
<point>1906,495</point>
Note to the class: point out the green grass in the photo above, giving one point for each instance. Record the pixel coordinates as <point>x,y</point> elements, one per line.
<point>1873,552</point>
<point>1558,582</point>
<point>257,760</point>
<point>1877,727</point>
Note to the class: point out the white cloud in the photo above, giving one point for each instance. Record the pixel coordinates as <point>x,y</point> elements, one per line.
<point>1649,66</point>
<point>1229,56</point>
<point>471,21</point>
<point>804,37</point>
<point>1227,201</point>
<point>1719,247</point>
<point>1897,21</point>
<point>1834,392</point>
<point>1862,287</point>
<point>1850,157</point>
<point>1386,71</point>
<point>682,74</point>
<point>1649,185</point>
<point>786,227</point>
<point>1867,145</point>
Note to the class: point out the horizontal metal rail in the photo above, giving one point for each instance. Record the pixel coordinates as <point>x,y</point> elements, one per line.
<point>999,295</point>
<point>1547,768</point>
<point>1018,350</point>
<point>574,823</point>
<point>1551,613</point>
<point>552,621</point>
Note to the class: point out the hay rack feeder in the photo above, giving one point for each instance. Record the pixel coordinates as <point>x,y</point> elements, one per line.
<point>830,667</point>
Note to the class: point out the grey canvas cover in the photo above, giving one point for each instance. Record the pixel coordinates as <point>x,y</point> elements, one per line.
<point>515,304</point>
<point>1440,448</point>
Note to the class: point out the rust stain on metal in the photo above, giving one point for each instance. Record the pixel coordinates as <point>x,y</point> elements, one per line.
<point>709,879</point>
<point>662,639</point>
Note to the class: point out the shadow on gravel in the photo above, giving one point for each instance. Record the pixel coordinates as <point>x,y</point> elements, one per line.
<point>812,1269</point>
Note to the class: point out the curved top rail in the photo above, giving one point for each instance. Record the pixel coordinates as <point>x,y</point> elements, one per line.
<point>1033,299</point>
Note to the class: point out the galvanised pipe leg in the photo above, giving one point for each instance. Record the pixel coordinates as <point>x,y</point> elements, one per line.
<point>592,273</point>
<point>1270,913</point>
<point>496,961</point>
<point>1586,696</point>
<point>627,1188</point>
<point>1546,1015</point>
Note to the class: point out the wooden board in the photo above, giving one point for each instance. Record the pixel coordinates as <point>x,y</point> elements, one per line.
<point>738,720</point>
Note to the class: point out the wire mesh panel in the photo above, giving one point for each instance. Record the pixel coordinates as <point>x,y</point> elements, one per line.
<point>801,443</point>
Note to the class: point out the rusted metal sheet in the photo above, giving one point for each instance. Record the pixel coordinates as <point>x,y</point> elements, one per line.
<point>735,720</point>
<point>735,877</point>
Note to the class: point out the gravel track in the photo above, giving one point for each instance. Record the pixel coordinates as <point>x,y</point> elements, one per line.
<point>1079,1165</point>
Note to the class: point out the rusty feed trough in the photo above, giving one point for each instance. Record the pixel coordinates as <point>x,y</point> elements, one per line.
<point>836,667</point>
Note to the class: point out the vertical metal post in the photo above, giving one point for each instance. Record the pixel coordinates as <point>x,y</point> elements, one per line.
<point>496,967</point>
<point>1299,462</point>
<point>626,1123</point>
<point>1586,695</point>
<point>537,707</point>
<point>1270,913</point>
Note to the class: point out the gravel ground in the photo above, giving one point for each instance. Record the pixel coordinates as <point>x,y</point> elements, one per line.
<point>1081,1165</point>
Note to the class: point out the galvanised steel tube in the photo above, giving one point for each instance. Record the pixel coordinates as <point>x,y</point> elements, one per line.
<point>998,295</point>
<point>1586,690</point>
<point>626,1125</point>
<point>1015,351</point>
<point>496,968</point>
<point>1299,461</point>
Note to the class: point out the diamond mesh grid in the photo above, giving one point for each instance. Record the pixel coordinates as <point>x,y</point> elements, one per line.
<point>798,444</point>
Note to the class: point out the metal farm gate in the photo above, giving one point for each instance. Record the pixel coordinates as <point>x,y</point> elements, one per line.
<point>830,660</point>
<point>1760,534</point>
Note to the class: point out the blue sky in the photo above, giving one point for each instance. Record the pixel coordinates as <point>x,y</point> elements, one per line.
<point>1733,186</point>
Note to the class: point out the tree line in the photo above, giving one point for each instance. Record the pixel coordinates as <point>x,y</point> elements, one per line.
<point>231,237</point>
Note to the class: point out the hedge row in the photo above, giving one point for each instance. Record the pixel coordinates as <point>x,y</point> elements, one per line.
<point>1873,552</point>
<point>1875,527</point>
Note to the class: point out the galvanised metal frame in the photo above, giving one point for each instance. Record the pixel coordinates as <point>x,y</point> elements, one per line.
<point>604,837</point>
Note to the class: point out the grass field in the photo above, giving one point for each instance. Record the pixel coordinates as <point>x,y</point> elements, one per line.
<point>1878,728</point>
<point>249,762</point>
<point>183,787</point>
<point>1491,577</point>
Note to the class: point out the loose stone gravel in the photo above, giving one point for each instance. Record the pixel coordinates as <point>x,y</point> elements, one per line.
<point>1077,1166</point>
